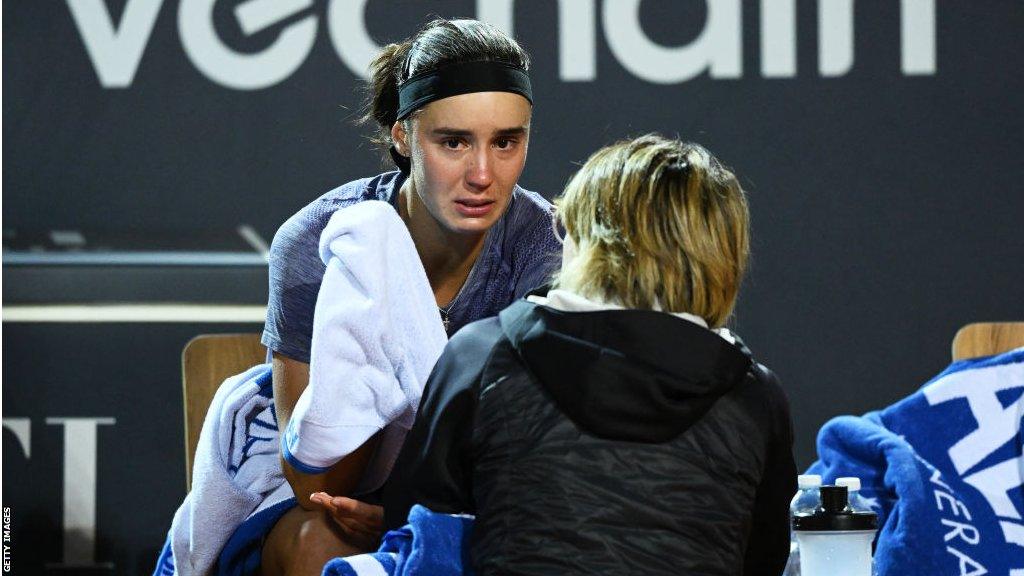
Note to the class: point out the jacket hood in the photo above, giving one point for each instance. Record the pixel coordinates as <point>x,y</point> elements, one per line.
<point>634,375</point>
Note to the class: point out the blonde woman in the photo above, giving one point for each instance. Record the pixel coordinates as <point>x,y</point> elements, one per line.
<point>609,426</point>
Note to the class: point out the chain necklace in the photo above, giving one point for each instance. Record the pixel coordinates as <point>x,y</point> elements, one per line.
<point>445,321</point>
<point>445,316</point>
<point>446,311</point>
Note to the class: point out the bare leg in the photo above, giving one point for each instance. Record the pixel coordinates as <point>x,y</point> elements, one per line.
<point>301,543</point>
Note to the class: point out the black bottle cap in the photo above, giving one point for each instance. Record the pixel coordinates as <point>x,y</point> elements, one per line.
<point>834,499</point>
<point>834,514</point>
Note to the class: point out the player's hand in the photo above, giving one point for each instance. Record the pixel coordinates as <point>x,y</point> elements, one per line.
<point>360,523</point>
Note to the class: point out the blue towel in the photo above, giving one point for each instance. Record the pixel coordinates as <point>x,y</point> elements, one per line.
<point>943,469</point>
<point>429,544</point>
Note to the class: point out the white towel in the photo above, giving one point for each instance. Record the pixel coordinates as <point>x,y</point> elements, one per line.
<point>236,472</point>
<point>377,333</point>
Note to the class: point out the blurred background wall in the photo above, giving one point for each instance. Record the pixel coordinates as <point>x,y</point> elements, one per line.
<point>152,148</point>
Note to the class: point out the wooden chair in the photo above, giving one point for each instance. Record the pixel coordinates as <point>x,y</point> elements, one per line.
<point>205,362</point>
<point>987,339</point>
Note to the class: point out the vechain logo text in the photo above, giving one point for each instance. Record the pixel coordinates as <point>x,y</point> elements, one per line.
<point>116,50</point>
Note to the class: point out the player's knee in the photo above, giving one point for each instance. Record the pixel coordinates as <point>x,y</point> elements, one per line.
<point>313,532</point>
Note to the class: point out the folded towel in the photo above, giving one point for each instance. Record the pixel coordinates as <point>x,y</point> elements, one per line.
<point>429,544</point>
<point>236,473</point>
<point>943,468</point>
<point>377,333</point>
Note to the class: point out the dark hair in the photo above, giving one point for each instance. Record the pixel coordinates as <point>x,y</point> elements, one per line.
<point>438,43</point>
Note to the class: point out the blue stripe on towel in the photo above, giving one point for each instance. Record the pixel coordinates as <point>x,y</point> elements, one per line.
<point>267,425</point>
<point>165,563</point>
<point>265,382</point>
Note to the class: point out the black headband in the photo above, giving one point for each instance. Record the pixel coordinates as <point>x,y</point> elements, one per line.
<point>461,78</point>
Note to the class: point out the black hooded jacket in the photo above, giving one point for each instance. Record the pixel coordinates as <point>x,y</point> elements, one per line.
<point>609,442</point>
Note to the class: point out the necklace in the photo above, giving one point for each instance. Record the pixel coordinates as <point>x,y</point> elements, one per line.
<point>446,311</point>
<point>445,320</point>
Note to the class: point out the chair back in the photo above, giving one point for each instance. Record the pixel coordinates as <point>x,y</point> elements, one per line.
<point>206,361</point>
<point>987,339</point>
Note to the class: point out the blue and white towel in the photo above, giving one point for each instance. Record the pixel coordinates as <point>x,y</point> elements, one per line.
<point>377,334</point>
<point>428,545</point>
<point>236,474</point>
<point>944,470</point>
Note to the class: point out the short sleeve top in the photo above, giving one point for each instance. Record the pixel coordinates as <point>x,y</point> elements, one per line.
<point>520,253</point>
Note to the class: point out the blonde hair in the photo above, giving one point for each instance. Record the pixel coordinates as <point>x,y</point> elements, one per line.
<point>657,223</point>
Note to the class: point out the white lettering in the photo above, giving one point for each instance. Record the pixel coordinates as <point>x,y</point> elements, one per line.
<point>835,37</point>
<point>256,15</point>
<point>960,529</point>
<point>246,71</point>
<point>994,483</point>
<point>996,425</point>
<point>956,506</point>
<point>497,13</point>
<point>115,53</point>
<point>80,489</point>
<point>577,40</point>
<point>22,430</point>
<point>577,34</point>
<point>1013,533</point>
<point>346,23</point>
<point>967,562</point>
<point>968,533</point>
<point>778,38</point>
<point>917,37</point>
<point>717,48</point>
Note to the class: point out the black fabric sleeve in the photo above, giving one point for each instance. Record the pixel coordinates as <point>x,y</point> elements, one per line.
<point>768,545</point>
<point>434,467</point>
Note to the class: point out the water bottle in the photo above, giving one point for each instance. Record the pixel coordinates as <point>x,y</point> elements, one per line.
<point>835,540</point>
<point>857,501</point>
<point>806,501</point>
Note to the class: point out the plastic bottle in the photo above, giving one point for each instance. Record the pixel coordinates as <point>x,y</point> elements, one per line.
<point>835,540</point>
<point>857,501</point>
<point>806,501</point>
<point>807,498</point>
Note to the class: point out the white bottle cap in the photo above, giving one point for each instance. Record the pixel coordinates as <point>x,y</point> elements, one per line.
<point>852,484</point>
<point>805,481</point>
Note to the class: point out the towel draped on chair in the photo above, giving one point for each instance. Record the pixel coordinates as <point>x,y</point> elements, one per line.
<point>237,473</point>
<point>943,468</point>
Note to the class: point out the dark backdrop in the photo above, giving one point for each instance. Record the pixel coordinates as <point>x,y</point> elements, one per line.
<point>886,198</point>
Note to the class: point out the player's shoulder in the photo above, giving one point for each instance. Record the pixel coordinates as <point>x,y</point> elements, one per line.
<point>528,225</point>
<point>305,226</point>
